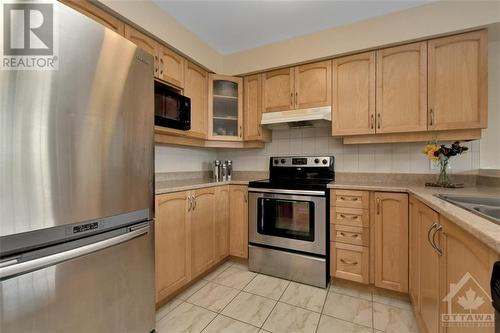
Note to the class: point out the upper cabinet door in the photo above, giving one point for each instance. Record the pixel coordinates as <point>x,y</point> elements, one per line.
<point>171,67</point>
<point>313,85</point>
<point>458,81</point>
<point>144,42</point>
<point>353,95</point>
<point>196,88</point>
<point>97,14</point>
<point>402,89</point>
<point>252,107</point>
<point>279,90</point>
<point>225,109</point>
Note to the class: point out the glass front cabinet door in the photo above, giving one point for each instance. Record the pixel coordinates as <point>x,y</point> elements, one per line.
<point>225,108</point>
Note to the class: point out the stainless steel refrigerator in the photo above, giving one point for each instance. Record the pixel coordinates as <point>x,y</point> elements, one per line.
<point>76,187</point>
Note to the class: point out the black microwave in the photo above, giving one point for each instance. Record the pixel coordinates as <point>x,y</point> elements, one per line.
<point>172,109</point>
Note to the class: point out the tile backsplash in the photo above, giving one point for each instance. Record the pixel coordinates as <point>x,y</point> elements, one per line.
<point>382,158</point>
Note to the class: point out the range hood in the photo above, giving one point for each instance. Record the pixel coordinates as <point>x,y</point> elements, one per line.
<point>313,117</point>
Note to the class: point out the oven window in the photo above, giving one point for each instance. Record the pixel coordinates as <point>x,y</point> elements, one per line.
<point>286,218</point>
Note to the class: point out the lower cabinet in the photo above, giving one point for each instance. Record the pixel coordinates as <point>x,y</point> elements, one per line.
<point>390,218</point>
<point>238,221</point>
<point>221,222</point>
<point>202,230</point>
<point>192,234</point>
<point>172,243</point>
<point>449,274</point>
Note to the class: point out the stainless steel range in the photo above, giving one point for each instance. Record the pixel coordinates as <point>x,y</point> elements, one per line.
<point>288,214</point>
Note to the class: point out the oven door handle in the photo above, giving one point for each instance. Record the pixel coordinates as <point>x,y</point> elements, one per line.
<point>277,191</point>
<point>261,215</point>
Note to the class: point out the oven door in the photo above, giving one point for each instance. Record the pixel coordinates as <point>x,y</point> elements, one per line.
<point>292,221</point>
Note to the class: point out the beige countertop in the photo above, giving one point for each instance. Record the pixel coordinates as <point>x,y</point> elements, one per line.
<point>168,186</point>
<point>483,229</point>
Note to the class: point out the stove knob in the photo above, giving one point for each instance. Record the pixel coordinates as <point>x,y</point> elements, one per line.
<point>325,161</point>
<point>276,161</point>
<point>283,161</point>
<point>316,160</point>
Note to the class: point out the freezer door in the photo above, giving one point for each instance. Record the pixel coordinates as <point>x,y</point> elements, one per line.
<point>102,286</point>
<point>76,143</point>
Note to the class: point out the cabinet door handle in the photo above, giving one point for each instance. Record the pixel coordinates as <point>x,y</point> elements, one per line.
<point>241,132</point>
<point>431,116</point>
<point>349,198</point>
<point>291,98</point>
<point>379,120</point>
<point>434,225</point>
<point>296,98</point>
<point>372,121</point>
<point>189,203</point>
<point>347,262</point>
<point>161,68</point>
<point>350,217</point>
<point>194,202</point>
<point>438,250</point>
<point>246,198</point>
<point>258,131</point>
<point>352,235</point>
<point>378,206</point>
<point>156,64</point>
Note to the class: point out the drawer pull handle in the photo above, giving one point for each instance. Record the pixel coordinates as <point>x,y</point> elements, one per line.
<point>350,217</point>
<point>352,235</point>
<point>349,198</point>
<point>348,262</point>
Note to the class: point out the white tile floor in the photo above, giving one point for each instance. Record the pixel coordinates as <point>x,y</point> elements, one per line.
<point>233,300</point>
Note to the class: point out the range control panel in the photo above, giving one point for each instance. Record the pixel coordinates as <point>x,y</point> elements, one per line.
<point>301,161</point>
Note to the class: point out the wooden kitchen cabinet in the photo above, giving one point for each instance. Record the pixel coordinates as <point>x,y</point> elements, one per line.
<point>278,90</point>
<point>225,109</point>
<point>430,302</point>
<point>196,88</point>
<point>313,85</point>
<point>413,253</point>
<point>299,87</point>
<point>391,241</point>
<point>171,67</point>
<point>252,107</point>
<point>458,81</point>
<point>353,95</point>
<point>202,230</point>
<point>462,255</point>
<point>221,222</point>
<point>88,9</point>
<point>146,43</point>
<point>401,89</point>
<point>172,243</point>
<point>238,221</point>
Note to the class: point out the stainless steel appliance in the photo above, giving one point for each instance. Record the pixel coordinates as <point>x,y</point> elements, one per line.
<point>76,194</point>
<point>172,109</point>
<point>288,214</point>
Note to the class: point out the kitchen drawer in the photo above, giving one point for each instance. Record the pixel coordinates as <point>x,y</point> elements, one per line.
<point>349,235</point>
<point>350,262</point>
<point>353,217</point>
<point>350,199</point>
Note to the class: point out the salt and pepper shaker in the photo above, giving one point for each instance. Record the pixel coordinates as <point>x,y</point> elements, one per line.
<point>223,171</point>
<point>229,169</point>
<point>217,171</point>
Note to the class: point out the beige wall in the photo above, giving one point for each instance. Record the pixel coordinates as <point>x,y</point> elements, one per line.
<point>490,142</point>
<point>434,19</point>
<point>151,18</point>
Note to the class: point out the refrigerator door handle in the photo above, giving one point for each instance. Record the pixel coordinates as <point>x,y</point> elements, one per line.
<point>35,264</point>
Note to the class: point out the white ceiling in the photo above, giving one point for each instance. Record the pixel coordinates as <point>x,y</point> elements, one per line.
<point>232,26</point>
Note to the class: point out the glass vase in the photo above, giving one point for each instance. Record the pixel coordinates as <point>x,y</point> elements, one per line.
<point>443,179</point>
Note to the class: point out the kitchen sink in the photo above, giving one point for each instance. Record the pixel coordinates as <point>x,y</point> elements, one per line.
<point>487,207</point>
